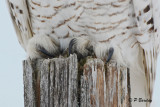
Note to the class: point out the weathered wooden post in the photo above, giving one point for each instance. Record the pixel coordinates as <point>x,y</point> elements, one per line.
<point>54,83</point>
<point>100,88</point>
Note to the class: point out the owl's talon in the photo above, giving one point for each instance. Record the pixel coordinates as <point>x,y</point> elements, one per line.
<point>81,47</point>
<point>44,52</point>
<point>71,44</point>
<point>37,47</point>
<point>110,54</point>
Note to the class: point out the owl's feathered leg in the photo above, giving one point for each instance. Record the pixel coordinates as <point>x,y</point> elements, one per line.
<point>107,51</point>
<point>42,47</point>
<point>81,46</point>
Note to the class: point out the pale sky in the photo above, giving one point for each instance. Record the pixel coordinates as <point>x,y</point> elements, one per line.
<point>11,71</point>
<point>11,56</point>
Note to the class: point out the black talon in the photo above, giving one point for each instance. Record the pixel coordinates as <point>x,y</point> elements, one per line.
<point>110,53</point>
<point>72,42</point>
<point>90,51</point>
<point>74,49</point>
<point>44,52</point>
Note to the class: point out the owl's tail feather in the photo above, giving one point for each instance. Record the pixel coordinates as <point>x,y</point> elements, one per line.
<point>19,12</point>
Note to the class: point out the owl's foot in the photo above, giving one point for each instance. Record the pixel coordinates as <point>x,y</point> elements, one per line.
<point>42,47</point>
<point>110,54</point>
<point>81,47</point>
<point>104,51</point>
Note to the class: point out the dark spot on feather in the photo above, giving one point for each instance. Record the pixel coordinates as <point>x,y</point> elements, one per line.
<point>146,9</point>
<point>150,21</point>
<point>12,6</point>
<point>19,23</point>
<point>52,31</point>
<point>139,13</point>
<point>42,20</point>
<point>133,15</point>
<point>33,8</point>
<point>155,30</point>
<point>137,18</point>
<point>38,15</point>
<point>151,29</point>
<point>130,27</point>
<point>123,33</point>
<point>13,17</point>
<point>16,7</point>
<point>21,11</point>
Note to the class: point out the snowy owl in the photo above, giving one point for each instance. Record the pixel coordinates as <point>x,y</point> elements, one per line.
<point>126,30</point>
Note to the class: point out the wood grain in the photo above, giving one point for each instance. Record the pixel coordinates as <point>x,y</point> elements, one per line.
<point>54,83</point>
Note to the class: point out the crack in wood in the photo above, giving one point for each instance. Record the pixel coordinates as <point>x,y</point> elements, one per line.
<point>57,83</point>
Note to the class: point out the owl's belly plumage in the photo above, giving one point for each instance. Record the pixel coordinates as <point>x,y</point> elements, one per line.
<point>102,20</point>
